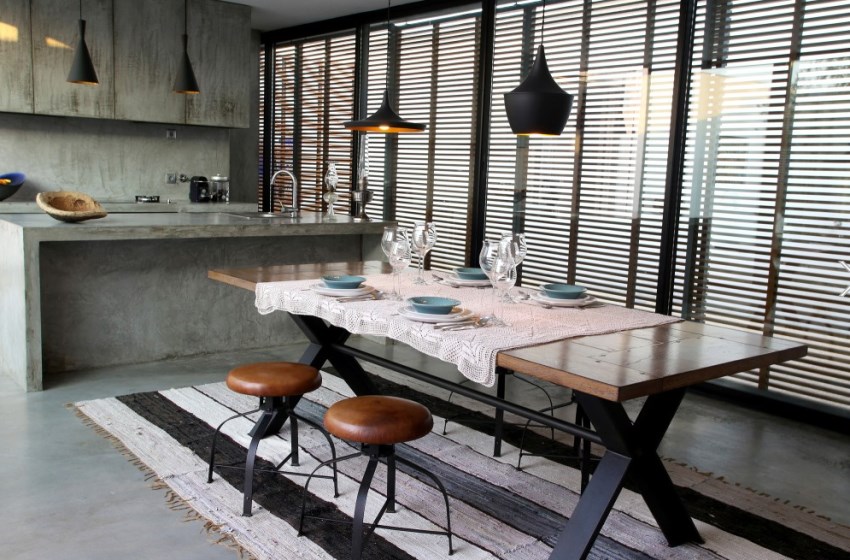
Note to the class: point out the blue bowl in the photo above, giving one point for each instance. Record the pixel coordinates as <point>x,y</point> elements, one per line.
<point>8,189</point>
<point>433,305</point>
<point>563,291</point>
<point>343,281</point>
<point>470,274</point>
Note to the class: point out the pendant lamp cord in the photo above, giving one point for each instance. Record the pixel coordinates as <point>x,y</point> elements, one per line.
<point>543,24</point>
<point>81,9</point>
<point>387,70</point>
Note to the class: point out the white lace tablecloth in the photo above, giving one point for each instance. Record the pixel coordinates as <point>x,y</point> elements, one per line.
<point>473,351</point>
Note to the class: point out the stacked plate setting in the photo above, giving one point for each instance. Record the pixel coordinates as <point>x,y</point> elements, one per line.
<point>563,295</point>
<point>433,309</point>
<point>343,285</point>
<point>471,277</point>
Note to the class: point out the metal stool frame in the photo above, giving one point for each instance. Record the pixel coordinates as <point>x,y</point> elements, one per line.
<point>275,411</point>
<point>359,536</point>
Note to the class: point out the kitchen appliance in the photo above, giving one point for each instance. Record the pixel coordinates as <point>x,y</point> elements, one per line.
<point>220,189</point>
<point>199,189</point>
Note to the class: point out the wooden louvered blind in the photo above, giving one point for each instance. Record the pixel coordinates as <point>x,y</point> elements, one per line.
<point>313,96</point>
<point>430,172</point>
<point>767,213</point>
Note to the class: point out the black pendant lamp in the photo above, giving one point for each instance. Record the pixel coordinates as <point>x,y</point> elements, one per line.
<point>82,69</point>
<point>186,81</point>
<point>538,105</point>
<point>385,119</point>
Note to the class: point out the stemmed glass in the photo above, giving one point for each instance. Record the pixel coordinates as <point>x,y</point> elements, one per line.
<point>514,246</point>
<point>424,239</point>
<point>398,253</point>
<point>504,278</point>
<point>492,266</point>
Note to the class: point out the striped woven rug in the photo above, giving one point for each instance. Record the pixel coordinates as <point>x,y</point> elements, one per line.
<point>497,511</point>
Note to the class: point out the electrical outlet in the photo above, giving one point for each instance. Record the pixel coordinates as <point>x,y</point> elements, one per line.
<point>171,133</point>
<point>171,178</point>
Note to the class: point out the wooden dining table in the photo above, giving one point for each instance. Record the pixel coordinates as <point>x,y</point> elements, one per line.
<point>656,364</point>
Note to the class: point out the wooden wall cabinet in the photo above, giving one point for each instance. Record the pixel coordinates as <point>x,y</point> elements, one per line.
<point>15,57</point>
<point>55,34</point>
<point>147,49</point>
<point>135,46</point>
<point>219,48</point>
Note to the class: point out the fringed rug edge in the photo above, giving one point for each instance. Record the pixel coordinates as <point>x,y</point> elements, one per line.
<point>173,500</point>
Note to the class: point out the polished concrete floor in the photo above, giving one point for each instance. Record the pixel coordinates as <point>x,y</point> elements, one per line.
<point>68,494</point>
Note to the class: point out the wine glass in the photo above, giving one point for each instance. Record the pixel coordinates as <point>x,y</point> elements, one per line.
<point>399,257</point>
<point>504,278</point>
<point>424,238</point>
<point>391,233</point>
<point>487,258</point>
<point>514,245</point>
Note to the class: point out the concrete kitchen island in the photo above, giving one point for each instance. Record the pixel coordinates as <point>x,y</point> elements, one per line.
<point>131,288</point>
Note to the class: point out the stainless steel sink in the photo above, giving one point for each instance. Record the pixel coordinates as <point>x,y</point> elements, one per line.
<point>284,213</point>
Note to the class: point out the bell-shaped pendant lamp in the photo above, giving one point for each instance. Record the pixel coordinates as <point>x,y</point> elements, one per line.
<point>385,119</point>
<point>538,105</point>
<point>186,81</point>
<point>82,69</point>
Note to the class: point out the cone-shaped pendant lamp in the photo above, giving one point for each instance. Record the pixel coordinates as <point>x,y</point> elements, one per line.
<point>385,119</point>
<point>186,81</point>
<point>82,69</point>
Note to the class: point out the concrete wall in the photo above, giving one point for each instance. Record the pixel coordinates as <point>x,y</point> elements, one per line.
<point>121,302</point>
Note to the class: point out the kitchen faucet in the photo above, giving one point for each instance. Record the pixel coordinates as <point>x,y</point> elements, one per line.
<point>296,204</point>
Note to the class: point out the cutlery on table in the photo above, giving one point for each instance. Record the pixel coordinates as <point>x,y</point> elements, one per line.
<point>377,294</point>
<point>476,323</point>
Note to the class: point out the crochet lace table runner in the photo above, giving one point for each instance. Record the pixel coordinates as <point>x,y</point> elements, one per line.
<point>473,351</point>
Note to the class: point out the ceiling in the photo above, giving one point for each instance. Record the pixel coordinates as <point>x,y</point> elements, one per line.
<point>274,14</point>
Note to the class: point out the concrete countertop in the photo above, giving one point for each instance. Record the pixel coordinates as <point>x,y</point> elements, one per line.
<point>186,225</point>
<point>121,207</point>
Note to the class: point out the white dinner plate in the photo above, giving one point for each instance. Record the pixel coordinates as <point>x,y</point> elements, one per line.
<point>455,279</point>
<point>560,302</point>
<point>457,314</point>
<point>321,289</point>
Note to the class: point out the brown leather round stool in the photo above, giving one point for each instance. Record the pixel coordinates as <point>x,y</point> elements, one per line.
<point>378,423</point>
<point>279,386</point>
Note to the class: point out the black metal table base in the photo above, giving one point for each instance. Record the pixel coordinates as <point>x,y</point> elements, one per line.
<point>631,447</point>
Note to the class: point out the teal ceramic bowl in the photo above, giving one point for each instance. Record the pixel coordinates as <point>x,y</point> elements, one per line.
<point>433,305</point>
<point>15,180</point>
<point>470,274</point>
<point>563,291</point>
<point>343,281</point>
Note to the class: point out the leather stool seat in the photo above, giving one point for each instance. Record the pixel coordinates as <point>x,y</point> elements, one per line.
<point>274,379</point>
<point>378,420</point>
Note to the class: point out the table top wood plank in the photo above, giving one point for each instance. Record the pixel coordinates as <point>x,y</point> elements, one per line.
<point>616,366</point>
